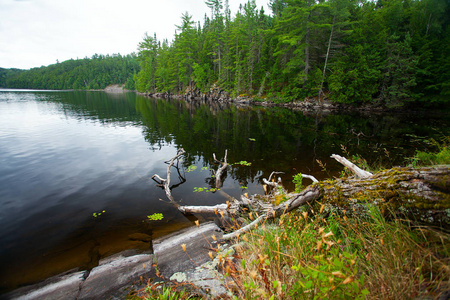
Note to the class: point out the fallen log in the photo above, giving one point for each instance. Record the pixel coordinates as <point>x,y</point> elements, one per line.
<point>423,193</point>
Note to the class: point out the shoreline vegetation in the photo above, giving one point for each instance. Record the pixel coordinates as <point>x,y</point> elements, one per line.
<point>335,250</point>
<point>388,54</point>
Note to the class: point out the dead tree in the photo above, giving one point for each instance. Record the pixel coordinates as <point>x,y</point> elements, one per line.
<point>166,182</point>
<point>423,191</point>
<point>223,167</point>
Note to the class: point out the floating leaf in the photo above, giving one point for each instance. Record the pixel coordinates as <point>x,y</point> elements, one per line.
<point>244,163</point>
<point>155,217</point>
<point>191,168</point>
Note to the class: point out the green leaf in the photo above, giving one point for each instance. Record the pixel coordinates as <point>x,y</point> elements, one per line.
<point>155,217</point>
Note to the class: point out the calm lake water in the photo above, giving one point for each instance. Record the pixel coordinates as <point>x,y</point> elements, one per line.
<point>67,155</point>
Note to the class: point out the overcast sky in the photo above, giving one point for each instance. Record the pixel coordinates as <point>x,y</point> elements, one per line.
<point>36,33</point>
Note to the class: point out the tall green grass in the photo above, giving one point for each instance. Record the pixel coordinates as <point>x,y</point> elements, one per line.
<point>339,257</point>
<point>441,157</point>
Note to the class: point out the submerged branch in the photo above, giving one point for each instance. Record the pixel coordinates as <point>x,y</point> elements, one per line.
<point>220,170</point>
<point>166,182</point>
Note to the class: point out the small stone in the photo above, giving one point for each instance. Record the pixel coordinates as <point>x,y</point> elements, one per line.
<point>180,277</point>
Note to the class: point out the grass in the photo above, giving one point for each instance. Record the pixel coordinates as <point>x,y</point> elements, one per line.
<point>441,157</point>
<point>317,255</point>
<point>339,257</point>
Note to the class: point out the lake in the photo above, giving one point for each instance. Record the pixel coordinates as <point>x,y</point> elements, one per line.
<point>76,167</point>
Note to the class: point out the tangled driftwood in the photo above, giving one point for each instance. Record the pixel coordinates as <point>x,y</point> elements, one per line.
<point>424,189</point>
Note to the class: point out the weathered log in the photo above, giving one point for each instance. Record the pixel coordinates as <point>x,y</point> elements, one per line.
<point>413,191</point>
<point>422,194</point>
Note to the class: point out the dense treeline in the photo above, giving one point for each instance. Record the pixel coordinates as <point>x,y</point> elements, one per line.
<point>5,73</point>
<point>89,73</point>
<point>389,52</point>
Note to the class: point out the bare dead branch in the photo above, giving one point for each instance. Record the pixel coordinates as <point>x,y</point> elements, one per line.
<point>420,183</point>
<point>220,170</point>
<point>310,177</point>
<point>166,182</point>
<point>360,173</point>
<point>203,209</point>
<point>244,229</point>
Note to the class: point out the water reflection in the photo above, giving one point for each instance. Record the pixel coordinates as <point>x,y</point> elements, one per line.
<point>282,139</point>
<point>66,155</point>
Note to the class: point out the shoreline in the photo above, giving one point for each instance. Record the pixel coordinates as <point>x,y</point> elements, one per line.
<point>325,105</point>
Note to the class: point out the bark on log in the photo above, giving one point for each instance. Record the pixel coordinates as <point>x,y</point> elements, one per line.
<point>422,194</point>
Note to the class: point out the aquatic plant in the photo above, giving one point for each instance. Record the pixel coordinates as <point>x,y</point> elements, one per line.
<point>155,217</point>
<point>98,214</point>
<point>191,168</point>
<point>204,189</point>
<point>243,163</point>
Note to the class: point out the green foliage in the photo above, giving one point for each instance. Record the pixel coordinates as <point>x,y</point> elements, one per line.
<point>441,157</point>
<point>155,217</point>
<point>6,73</point>
<point>243,163</point>
<point>390,54</point>
<point>334,275</point>
<point>82,74</point>
<point>98,214</point>
<point>341,256</point>
<point>298,178</point>
<point>165,293</point>
<point>205,189</point>
<point>191,168</point>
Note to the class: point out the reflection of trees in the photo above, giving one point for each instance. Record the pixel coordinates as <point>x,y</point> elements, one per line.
<point>99,106</point>
<point>271,138</point>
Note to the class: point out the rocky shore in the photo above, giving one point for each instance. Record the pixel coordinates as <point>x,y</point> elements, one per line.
<point>216,94</point>
<point>118,275</point>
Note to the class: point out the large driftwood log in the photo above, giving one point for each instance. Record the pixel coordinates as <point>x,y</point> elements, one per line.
<point>423,192</point>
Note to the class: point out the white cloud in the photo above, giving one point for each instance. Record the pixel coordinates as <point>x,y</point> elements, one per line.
<point>39,32</point>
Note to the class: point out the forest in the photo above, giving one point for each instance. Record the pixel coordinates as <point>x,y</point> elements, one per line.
<point>391,53</point>
<point>387,52</point>
<point>93,73</point>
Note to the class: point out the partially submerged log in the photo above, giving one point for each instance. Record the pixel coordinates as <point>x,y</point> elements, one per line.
<point>424,192</point>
